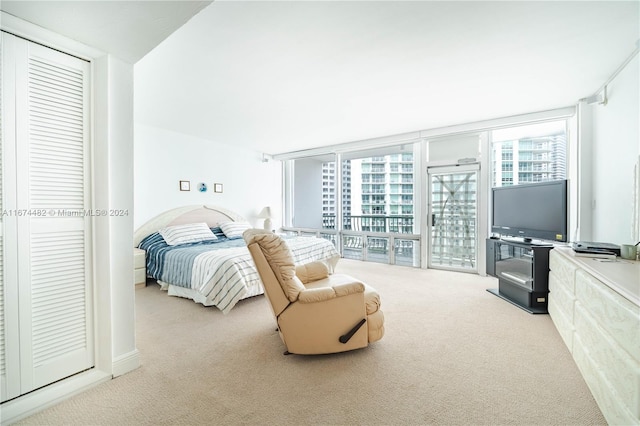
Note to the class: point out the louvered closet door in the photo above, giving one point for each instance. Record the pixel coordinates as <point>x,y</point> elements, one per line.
<point>3,349</point>
<point>52,218</point>
<point>9,324</point>
<point>4,391</point>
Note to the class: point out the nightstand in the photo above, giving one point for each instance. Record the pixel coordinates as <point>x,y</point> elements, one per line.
<point>139,268</point>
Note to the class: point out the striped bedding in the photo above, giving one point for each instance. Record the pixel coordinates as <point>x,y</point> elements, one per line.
<point>220,273</point>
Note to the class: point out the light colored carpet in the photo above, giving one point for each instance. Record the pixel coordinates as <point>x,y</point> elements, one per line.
<point>452,354</point>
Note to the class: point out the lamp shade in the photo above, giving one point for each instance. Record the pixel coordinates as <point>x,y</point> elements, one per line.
<point>265,213</point>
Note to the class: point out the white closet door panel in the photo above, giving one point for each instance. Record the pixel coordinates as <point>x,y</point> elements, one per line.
<point>60,338</point>
<point>57,130</point>
<point>55,292</point>
<point>3,364</point>
<point>1,139</point>
<point>10,332</point>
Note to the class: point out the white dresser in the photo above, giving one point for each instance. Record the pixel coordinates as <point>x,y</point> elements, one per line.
<point>139,268</point>
<point>595,305</point>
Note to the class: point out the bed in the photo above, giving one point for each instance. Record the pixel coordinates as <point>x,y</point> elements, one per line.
<point>214,271</point>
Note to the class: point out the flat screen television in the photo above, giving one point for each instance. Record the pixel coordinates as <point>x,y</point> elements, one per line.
<point>531,211</point>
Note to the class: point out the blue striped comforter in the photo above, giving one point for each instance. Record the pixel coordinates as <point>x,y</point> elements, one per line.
<point>221,271</point>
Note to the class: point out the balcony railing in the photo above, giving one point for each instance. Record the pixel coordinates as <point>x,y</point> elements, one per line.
<point>372,223</point>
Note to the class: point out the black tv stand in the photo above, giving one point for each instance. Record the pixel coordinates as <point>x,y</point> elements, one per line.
<point>522,269</point>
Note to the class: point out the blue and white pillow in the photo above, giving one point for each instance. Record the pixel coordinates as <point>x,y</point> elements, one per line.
<point>189,233</point>
<point>217,231</point>
<point>234,229</point>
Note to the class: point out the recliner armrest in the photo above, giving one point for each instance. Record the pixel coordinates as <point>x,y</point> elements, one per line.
<point>350,288</point>
<point>314,295</point>
<point>312,271</point>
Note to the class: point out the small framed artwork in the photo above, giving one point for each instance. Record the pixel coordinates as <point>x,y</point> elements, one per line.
<point>217,187</point>
<point>185,185</point>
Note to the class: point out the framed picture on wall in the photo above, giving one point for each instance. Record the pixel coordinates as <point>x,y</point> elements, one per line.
<point>217,187</point>
<point>185,185</point>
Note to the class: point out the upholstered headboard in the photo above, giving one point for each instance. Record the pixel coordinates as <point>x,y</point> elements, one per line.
<point>211,215</point>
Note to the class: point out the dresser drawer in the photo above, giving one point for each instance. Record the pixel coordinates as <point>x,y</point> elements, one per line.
<point>560,292</point>
<point>139,276</point>
<point>139,267</point>
<point>563,270</point>
<point>612,312</point>
<point>606,395</point>
<point>620,371</point>
<point>138,258</point>
<point>561,310</point>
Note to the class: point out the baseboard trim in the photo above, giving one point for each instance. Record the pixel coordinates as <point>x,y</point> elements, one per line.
<point>126,363</point>
<point>33,402</point>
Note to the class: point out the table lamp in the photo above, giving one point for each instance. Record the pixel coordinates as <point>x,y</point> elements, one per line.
<point>266,215</point>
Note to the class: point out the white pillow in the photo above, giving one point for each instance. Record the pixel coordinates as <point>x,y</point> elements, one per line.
<point>234,229</point>
<point>189,233</point>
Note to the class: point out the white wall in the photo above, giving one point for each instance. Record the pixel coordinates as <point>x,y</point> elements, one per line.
<point>616,146</point>
<point>162,158</point>
<point>113,160</point>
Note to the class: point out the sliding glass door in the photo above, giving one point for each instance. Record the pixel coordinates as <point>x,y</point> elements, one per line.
<point>453,217</point>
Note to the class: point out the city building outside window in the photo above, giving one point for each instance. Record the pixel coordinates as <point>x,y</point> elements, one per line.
<point>528,154</point>
<point>377,194</point>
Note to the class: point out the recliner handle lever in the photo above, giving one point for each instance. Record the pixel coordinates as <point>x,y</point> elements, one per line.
<point>346,337</point>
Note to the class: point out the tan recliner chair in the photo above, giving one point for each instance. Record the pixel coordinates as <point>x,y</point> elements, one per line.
<point>317,312</point>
